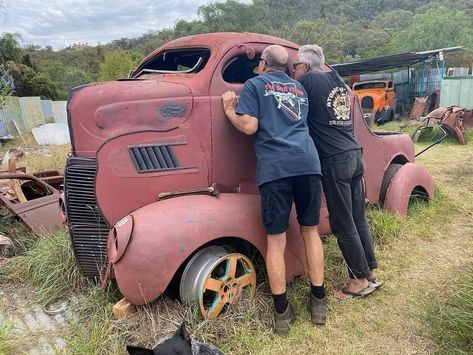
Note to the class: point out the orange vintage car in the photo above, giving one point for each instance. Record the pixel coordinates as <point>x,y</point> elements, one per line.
<point>378,100</point>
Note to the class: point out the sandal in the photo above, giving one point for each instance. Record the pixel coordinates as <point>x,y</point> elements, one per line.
<point>349,295</point>
<point>376,283</point>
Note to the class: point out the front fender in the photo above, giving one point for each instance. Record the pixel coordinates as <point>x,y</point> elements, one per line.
<point>148,246</point>
<point>406,179</point>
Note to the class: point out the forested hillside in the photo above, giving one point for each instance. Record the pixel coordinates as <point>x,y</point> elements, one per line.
<point>346,29</point>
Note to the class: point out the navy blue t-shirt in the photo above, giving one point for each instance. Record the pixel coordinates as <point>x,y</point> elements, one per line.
<point>282,142</point>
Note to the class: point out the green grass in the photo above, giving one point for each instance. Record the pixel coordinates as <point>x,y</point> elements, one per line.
<point>49,265</point>
<point>451,318</point>
<point>8,342</point>
<point>384,226</point>
<point>246,327</point>
<point>22,239</point>
<point>95,331</point>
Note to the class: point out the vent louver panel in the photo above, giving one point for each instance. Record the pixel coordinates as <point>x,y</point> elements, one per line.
<point>154,158</point>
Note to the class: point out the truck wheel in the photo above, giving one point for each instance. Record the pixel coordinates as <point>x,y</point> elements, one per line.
<point>215,278</point>
<point>388,175</point>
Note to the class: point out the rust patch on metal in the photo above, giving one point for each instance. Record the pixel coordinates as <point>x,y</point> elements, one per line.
<point>418,107</point>
<point>30,198</point>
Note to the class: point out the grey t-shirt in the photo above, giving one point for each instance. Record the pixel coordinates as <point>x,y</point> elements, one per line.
<point>282,142</point>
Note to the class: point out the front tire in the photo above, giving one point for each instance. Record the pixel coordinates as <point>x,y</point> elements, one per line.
<point>214,278</point>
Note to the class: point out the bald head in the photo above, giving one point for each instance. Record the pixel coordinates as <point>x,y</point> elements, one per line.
<point>276,57</point>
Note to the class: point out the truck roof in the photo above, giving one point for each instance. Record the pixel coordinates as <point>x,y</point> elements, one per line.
<point>220,41</point>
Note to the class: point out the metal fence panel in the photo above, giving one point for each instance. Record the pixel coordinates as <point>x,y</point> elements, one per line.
<point>24,113</point>
<point>47,110</point>
<point>60,111</point>
<point>31,112</point>
<point>3,125</point>
<point>457,91</point>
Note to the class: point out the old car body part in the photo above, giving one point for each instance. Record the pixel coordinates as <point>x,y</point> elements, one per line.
<point>39,213</point>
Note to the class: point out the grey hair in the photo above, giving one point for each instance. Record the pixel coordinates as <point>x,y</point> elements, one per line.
<point>275,56</point>
<point>313,55</point>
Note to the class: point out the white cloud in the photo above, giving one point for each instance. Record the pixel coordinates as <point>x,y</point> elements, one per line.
<point>60,23</point>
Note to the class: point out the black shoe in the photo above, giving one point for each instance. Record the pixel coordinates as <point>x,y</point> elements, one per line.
<point>318,310</point>
<point>282,320</point>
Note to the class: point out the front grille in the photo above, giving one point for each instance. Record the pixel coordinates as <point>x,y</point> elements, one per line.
<point>154,158</point>
<point>87,228</point>
<point>367,102</point>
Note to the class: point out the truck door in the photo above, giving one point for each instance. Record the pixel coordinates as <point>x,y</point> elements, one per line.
<point>234,162</point>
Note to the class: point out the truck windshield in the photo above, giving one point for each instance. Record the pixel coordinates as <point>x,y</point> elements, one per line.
<point>374,85</point>
<point>181,61</point>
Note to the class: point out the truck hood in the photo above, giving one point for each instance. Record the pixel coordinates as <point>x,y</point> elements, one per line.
<point>121,107</point>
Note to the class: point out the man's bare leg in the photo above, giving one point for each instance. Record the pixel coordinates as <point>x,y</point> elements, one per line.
<point>275,263</point>
<point>314,253</point>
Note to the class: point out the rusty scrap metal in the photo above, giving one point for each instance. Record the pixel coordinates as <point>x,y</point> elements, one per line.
<point>418,108</point>
<point>452,118</point>
<point>30,198</point>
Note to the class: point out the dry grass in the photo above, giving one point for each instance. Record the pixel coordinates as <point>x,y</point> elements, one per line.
<point>418,256</point>
<point>39,157</point>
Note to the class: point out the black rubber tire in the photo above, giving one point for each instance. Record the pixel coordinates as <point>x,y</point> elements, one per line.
<point>388,176</point>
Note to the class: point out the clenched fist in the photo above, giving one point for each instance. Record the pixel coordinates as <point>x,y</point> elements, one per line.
<point>229,100</point>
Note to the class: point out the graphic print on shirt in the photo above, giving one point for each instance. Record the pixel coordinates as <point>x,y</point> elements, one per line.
<point>288,96</point>
<point>339,102</point>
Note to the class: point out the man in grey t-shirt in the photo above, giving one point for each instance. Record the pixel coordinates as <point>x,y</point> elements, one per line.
<point>273,109</point>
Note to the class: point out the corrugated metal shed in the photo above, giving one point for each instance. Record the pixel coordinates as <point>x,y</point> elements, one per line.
<point>29,112</point>
<point>457,91</point>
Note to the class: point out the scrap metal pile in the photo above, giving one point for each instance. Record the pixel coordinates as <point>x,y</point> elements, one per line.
<point>452,120</point>
<point>33,198</point>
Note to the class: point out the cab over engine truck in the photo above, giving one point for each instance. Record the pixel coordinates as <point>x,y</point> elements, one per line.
<point>160,188</point>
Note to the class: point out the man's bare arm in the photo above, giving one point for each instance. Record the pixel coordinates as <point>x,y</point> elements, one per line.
<point>244,123</point>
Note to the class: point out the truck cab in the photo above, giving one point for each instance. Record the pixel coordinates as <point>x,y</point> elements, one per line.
<point>160,190</point>
<point>378,100</point>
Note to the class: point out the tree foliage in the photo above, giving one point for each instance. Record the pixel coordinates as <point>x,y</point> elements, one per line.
<point>10,49</point>
<point>116,65</point>
<point>436,28</point>
<point>346,29</point>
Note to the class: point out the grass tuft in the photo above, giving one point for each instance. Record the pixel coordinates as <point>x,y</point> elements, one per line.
<point>451,319</point>
<point>8,342</point>
<point>100,333</point>
<point>22,239</point>
<point>49,265</point>
<point>384,225</point>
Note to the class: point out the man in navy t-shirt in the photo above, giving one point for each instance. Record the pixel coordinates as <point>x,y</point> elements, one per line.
<point>331,127</point>
<point>273,108</point>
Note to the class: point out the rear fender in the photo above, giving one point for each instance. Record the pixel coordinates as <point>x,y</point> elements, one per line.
<point>409,177</point>
<point>148,247</point>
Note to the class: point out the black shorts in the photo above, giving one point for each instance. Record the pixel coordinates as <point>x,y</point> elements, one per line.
<point>277,197</point>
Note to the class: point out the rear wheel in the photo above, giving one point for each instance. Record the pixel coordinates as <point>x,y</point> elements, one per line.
<point>215,278</point>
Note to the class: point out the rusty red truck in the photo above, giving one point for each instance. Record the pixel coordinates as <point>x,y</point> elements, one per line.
<point>160,189</point>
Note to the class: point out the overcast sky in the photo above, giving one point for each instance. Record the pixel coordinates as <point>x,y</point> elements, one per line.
<point>60,23</point>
